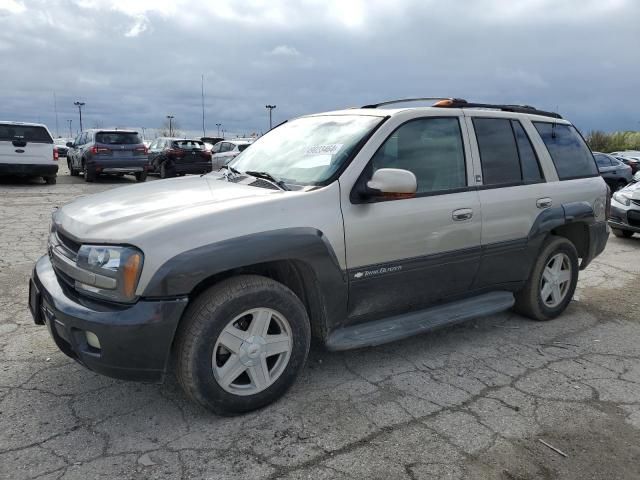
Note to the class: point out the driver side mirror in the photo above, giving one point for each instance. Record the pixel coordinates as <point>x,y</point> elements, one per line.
<point>388,183</point>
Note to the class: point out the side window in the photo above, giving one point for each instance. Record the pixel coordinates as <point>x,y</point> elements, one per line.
<point>602,160</point>
<point>498,151</point>
<point>215,148</point>
<point>571,156</point>
<point>531,172</point>
<point>225,147</point>
<point>431,148</point>
<point>76,141</point>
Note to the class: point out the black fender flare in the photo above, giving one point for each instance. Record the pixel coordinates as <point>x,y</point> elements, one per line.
<point>180,275</point>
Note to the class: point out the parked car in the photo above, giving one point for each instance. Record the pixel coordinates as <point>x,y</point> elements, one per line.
<point>359,227</point>
<point>97,152</point>
<point>177,156</point>
<point>624,218</point>
<point>614,172</point>
<point>633,162</point>
<point>225,151</point>
<point>27,149</point>
<point>61,146</point>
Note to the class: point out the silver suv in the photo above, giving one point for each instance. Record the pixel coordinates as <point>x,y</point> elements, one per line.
<point>357,227</point>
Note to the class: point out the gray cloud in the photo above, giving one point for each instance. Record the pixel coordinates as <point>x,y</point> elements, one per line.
<point>133,62</point>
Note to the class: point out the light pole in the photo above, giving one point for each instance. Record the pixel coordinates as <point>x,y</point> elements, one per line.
<point>70,131</point>
<point>218,125</point>
<point>223,133</point>
<point>79,105</point>
<point>170,117</point>
<point>270,108</point>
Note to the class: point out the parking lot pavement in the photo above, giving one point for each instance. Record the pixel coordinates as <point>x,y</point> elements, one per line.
<point>466,402</point>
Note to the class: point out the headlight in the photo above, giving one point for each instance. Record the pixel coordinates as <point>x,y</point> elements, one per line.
<point>622,198</point>
<point>122,264</point>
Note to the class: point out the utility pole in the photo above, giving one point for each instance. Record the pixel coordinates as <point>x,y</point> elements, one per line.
<point>55,109</point>
<point>270,108</point>
<point>79,105</point>
<point>204,131</point>
<point>70,131</point>
<point>170,117</point>
<point>218,125</point>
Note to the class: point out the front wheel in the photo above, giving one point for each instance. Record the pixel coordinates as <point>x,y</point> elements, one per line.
<point>242,344</point>
<point>552,282</point>
<point>51,180</point>
<point>622,233</point>
<point>141,176</point>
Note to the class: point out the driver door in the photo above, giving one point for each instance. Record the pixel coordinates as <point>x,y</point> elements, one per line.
<point>405,254</point>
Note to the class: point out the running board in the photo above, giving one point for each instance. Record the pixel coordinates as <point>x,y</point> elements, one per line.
<point>407,325</point>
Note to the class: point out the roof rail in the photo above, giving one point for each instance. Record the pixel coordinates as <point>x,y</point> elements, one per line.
<point>444,102</point>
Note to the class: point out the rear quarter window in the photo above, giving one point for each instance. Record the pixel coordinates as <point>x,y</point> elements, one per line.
<point>571,156</point>
<point>27,133</point>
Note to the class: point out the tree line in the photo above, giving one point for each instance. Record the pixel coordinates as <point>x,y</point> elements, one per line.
<point>613,142</point>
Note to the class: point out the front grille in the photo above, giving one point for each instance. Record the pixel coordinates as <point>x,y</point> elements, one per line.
<point>67,242</point>
<point>633,218</point>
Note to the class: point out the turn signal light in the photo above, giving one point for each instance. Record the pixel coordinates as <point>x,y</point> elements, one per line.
<point>130,274</point>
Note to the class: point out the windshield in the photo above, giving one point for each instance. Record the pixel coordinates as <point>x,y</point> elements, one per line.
<point>306,151</point>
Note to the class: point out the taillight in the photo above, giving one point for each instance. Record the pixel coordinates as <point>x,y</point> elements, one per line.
<point>143,150</point>
<point>95,150</point>
<point>174,151</point>
<point>56,155</point>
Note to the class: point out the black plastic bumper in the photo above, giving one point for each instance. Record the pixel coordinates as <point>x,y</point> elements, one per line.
<point>598,236</point>
<point>28,169</point>
<point>135,341</point>
<point>619,218</point>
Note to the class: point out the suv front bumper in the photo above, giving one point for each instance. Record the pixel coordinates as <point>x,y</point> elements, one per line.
<point>135,340</point>
<point>625,218</point>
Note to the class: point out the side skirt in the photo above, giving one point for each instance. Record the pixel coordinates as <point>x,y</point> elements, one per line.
<point>407,325</point>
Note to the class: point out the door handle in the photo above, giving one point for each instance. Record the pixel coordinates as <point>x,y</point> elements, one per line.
<point>544,202</point>
<point>462,214</point>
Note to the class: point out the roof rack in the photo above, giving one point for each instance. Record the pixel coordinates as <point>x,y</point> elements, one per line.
<point>461,103</point>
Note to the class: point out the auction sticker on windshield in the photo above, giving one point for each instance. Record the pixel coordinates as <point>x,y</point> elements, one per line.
<point>330,149</point>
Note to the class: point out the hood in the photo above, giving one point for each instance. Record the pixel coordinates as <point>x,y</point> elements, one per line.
<point>121,214</point>
<point>632,190</point>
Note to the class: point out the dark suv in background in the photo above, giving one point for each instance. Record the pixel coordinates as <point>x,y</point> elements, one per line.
<point>97,152</point>
<point>177,156</point>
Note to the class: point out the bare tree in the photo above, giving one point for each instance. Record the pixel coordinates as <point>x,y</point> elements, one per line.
<point>175,129</point>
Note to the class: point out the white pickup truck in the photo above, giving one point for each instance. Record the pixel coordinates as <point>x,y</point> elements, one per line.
<point>27,149</point>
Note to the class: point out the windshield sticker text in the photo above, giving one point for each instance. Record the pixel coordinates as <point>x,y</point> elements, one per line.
<point>331,149</point>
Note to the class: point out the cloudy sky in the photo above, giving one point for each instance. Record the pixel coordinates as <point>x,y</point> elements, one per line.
<point>135,61</point>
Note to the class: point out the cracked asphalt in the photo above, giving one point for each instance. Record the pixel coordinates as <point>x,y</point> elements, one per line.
<point>468,402</point>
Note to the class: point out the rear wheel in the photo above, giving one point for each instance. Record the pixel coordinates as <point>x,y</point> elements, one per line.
<point>89,173</point>
<point>552,282</point>
<point>622,233</point>
<point>166,171</point>
<point>242,344</point>
<point>141,176</point>
<point>50,180</point>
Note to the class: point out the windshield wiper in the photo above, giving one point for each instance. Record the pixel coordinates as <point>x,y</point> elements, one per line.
<point>267,176</point>
<point>231,169</point>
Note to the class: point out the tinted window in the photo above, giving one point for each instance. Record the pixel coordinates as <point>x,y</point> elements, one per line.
<point>602,160</point>
<point>431,148</point>
<point>498,151</point>
<point>571,156</point>
<point>118,138</point>
<point>189,145</point>
<point>528,159</point>
<point>27,133</point>
<point>243,147</point>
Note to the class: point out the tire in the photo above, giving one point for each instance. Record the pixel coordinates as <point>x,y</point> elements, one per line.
<point>165,172</point>
<point>529,301</point>
<point>72,171</point>
<point>201,355</point>
<point>89,174</point>
<point>50,180</point>
<point>141,176</point>
<point>622,233</point>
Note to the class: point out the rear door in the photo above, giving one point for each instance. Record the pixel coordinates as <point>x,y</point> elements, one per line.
<point>513,192</point>
<point>25,145</point>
